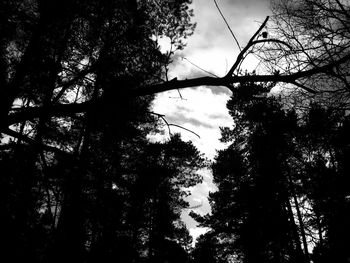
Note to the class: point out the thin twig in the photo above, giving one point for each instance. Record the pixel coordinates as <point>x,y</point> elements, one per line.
<point>206,71</point>
<point>228,26</point>
<point>162,116</point>
<point>272,40</point>
<point>245,49</point>
<point>178,91</point>
<point>303,87</point>
<point>185,129</point>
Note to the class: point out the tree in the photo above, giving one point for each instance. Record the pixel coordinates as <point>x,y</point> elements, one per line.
<point>252,219</point>
<point>281,183</point>
<point>92,39</point>
<point>204,251</point>
<point>164,172</point>
<point>73,54</point>
<point>138,217</point>
<point>77,81</point>
<point>314,33</point>
<point>69,53</point>
<point>325,180</point>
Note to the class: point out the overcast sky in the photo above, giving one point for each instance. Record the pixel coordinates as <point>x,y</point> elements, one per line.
<point>202,109</point>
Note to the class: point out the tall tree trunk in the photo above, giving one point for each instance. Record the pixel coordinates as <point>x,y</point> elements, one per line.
<point>302,227</point>
<point>294,228</point>
<point>300,219</point>
<point>69,242</point>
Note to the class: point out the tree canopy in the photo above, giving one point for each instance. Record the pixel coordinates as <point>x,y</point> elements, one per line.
<point>282,186</point>
<point>81,181</point>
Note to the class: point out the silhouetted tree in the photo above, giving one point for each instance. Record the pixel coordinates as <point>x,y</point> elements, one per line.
<point>166,170</point>
<point>205,249</point>
<point>80,180</point>
<point>281,183</point>
<point>325,180</point>
<point>250,217</point>
<point>64,197</point>
<point>315,32</point>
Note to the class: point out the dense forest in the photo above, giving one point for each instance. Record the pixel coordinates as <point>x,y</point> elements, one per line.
<point>80,180</point>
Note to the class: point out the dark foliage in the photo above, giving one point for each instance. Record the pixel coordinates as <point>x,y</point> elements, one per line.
<point>87,185</point>
<point>81,182</point>
<point>283,189</point>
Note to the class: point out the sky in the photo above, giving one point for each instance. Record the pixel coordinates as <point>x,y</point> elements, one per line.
<point>203,109</point>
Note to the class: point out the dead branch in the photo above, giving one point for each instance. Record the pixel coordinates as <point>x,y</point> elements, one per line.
<point>162,116</point>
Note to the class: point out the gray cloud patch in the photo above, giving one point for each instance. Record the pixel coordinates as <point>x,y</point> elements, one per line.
<point>211,28</point>
<point>219,116</point>
<point>183,109</point>
<point>216,90</point>
<point>180,119</point>
<point>252,6</point>
<point>220,90</point>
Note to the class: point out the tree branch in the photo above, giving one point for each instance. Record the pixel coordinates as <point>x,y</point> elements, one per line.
<point>171,124</point>
<point>228,81</point>
<point>228,26</point>
<point>58,110</point>
<point>206,71</point>
<point>62,110</point>
<point>42,146</point>
<point>245,49</point>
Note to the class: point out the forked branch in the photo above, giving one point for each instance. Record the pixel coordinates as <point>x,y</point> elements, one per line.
<point>246,48</point>
<point>162,116</point>
<point>228,26</point>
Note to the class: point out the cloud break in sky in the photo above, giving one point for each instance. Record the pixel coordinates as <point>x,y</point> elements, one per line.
<point>203,109</point>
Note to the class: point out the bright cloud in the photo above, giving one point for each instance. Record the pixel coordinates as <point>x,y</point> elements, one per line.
<point>200,111</point>
<point>203,109</point>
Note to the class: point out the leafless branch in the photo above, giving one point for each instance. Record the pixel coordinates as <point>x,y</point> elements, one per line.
<point>175,125</point>
<point>162,116</point>
<point>200,67</point>
<point>228,26</point>
<point>42,146</point>
<point>303,87</point>
<point>245,49</point>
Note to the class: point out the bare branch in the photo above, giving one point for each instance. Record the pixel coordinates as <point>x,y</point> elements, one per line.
<point>228,81</point>
<point>175,125</point>
<point>162,116</point>
<point>249,45</point>
<point>272,40</point>
<point>200,67</point>
<point>228,26</point>
<point>58,110</point>
<point>303,87</point>
<point>178,91</point>
<point>24,138</point>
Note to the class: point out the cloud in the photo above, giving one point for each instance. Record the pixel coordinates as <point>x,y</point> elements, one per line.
<point>196,232</point>
<point>220,91</point>
<point>180,119</point>
<point>212,47</point>
<point>199,196</point>
<point>203,109</point>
